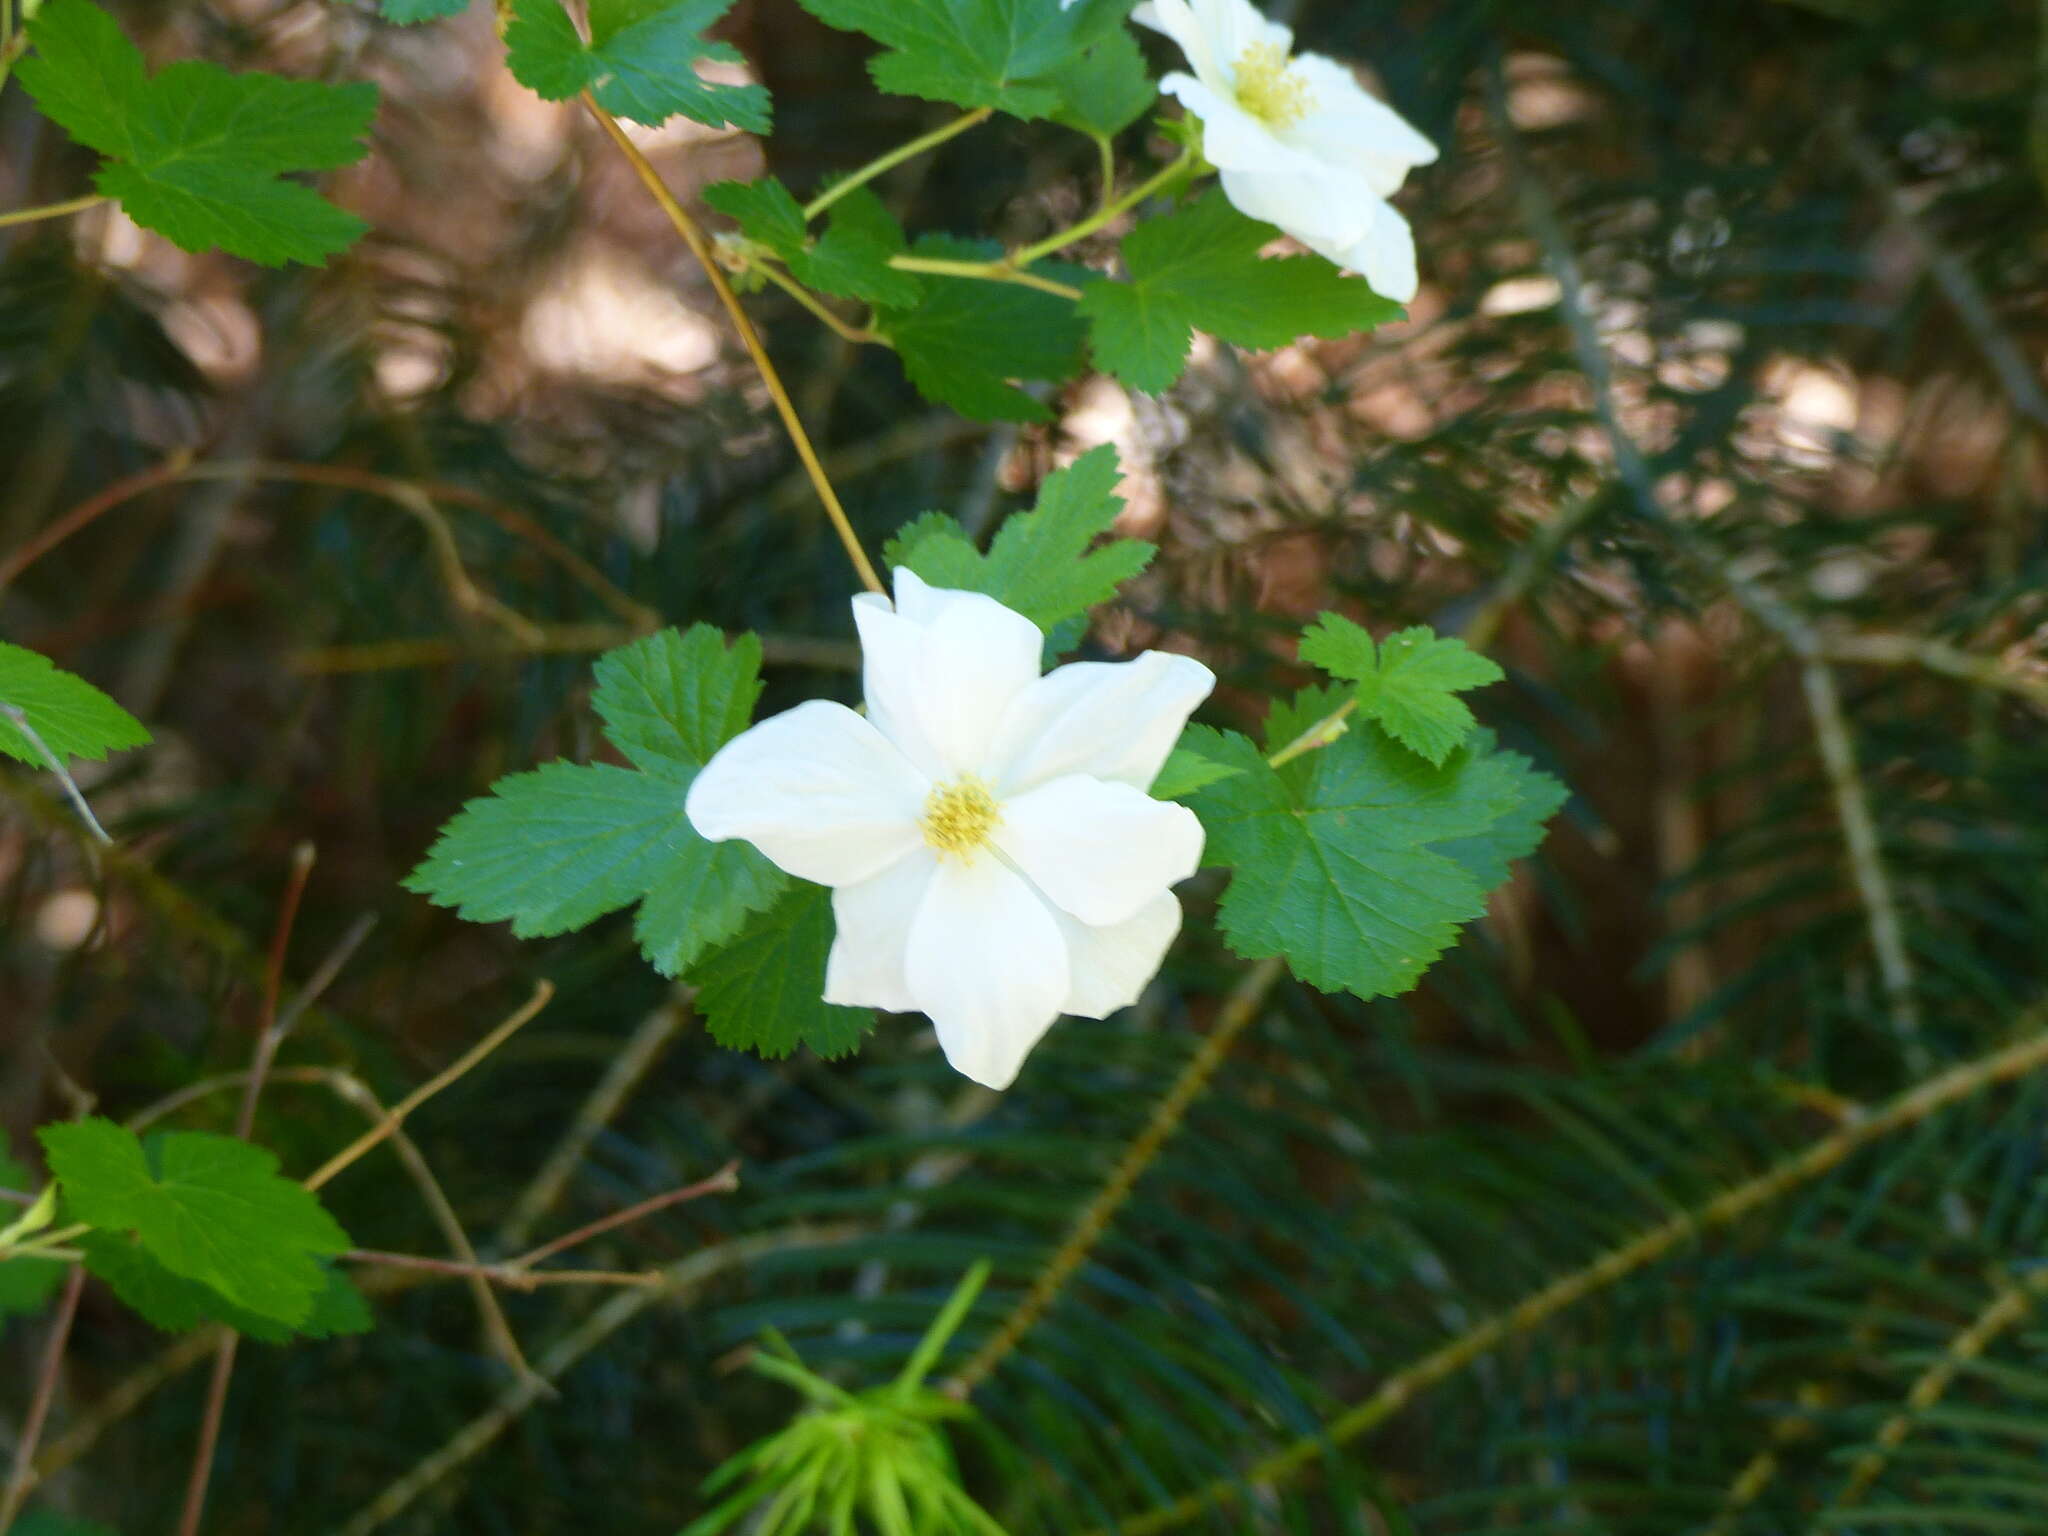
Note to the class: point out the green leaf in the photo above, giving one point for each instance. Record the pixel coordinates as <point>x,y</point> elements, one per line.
<point>1200,269</point>
<point>196,152</point>
<point>1410,683</point>
<point>1195,763</point>
<point>1342,858</point>
<point>963,345</point>
<point>640,61</point>
<point>1040,564</point>
<point>556,848</point>
<point>407,13</point>
<point>72,718</point>
<point>850,260</point>
<point>1108,88</point>
<point>47,1522</point>
<point>1490,854</point>
<point>177,1305</point>
<point>1008,54</point>
<point>765,991</point>
<point>26,1283</point>
<point>208,1208</point>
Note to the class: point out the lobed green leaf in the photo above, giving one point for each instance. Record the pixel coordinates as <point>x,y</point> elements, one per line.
<point>640,62</point>
<point>1409,683</point>
<point>765,990</point>
<point>68,715</point>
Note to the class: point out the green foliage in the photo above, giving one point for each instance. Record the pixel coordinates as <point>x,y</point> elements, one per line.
<point>1041,563</point>
<point>558,847</point>
<point>196,153</point>
<point>47,1522</point>
<point>207,1208</point>
<point>410,12</point>
<point>177,1304</point>
<point>878,1453</point>
<point>1009,54</point>
<point>850,260</point>
<point>640,61</point>
<point>1409,683</point>
<point>1188,768</point>
<point>25,1283</point>
<point>1337,857</point>
<point>68,715</point>
<point>965,343</point>
<point>765,991</point>
<point>1200,269</point>
<point>1108,88</point>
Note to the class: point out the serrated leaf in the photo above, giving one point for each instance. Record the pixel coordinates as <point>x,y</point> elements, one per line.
<point>70,716</point>
<point>1007,54</point>
<point>208,1208</point>
<point>1409,683</point>
<point>1341,858</point>
<point>1106,89</point>
<point>640,61</point>
<point>176,1304</point>
<point>968,339</point>
<point>27,1283</point>
<point>408,13</point>
<point>1490,855</point>
<point>196,152</point>
<point>850,260</point>
<point>1041,563</point>
<point>765,991</point>
<point>676,697</point>
<point>768,212</point>
<point>1200,269</point>
<point>1195,763</point>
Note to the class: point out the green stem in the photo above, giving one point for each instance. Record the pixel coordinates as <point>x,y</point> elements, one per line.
<point>40,1246</point>
<point>1109,211</point>
<point>1321,734</point>
<point>809,300</point>
<point>50,210</point>
<point>984,271</point>
<point>894,158</point>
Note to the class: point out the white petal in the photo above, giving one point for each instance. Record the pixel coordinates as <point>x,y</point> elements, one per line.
<point>872,932</point>
<point>817,789</point>
<point>1112,965</point>
<point>1350,126</point>
<point>987,962</point>
<point>939,675</point>
<point>1230,27</point>
<point>1099,851</point>
<point>1324,208</point>
<point>1177,21</point>
<point>1114,720</point>
<point>1231,137</point>
<point>1385,255</point>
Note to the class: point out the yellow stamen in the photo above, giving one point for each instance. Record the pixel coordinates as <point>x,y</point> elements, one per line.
<point>958,817</point>
<point>1268,89</point>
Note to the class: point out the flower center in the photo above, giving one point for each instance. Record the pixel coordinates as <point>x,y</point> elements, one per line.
<point>1268,89</point>
<point>958,817</point>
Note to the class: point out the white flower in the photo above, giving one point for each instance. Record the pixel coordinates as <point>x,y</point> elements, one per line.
<point>1298,142</point>
<point>993,856</point>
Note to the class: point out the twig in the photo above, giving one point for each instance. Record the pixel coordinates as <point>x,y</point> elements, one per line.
<point>894,158</point>
<point>209,1433</point>
<point>553,639</point>
<point>508,1275</point>
<point>676,1283</point>
<point>723,1182</point>
<point>2025,1055</point>
<point>22,1477</point>
<point>1948,660</point>
<point>632,1063</point>
<point>1237,1013</point>
<point>542,991</point>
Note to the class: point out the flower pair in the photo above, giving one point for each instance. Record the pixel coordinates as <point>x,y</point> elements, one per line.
<point>993,856</point>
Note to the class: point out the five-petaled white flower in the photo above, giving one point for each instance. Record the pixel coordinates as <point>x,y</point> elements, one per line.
<point>993,856</point>
<point>1298,142</point>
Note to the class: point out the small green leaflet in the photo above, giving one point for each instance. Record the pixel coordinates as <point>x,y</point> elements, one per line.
<point>640,61</point>
<point>1040,564</point>
<point>850,260</point>
<point>1200,269</point>
<point>409,12</point>
<point>1410,683</point>
<point>70,716</point>
<point>196,153</point>
<point>1359,862</point>
<point>1108,88</point>
<point>1008,54</point>
<point>175,1304</point>
<point>207,1208</point>
<point>964,344</point>
<point>1189,768</point>
<point>556,848</point>
<point>765,991</point>
<point>25,1284</point>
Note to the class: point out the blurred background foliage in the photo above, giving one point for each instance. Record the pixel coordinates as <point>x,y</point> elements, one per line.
<point>1718,422</point>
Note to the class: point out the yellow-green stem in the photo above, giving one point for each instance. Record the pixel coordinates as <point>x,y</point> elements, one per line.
<point>894,158</point>
<point>809,300</point>
<point>51,210</point>
<point>983,271</point>
<point>700,247</point>
<point>1107,213</point>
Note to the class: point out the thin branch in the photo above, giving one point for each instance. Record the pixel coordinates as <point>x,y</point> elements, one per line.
<point>543,991</point>
<point>508,1275</point>
<point>23,1475</point>
<point>1237,1013</point>
<point>894,158</point>
<point>52,210</point>
<point>2027,1054</point>
<point>677,1283</point>
<point>723,1182</point>
<point>1935,656</point>
<point>209,1434</point>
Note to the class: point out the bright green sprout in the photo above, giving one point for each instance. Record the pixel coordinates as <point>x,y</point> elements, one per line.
<point>874,1460</point>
